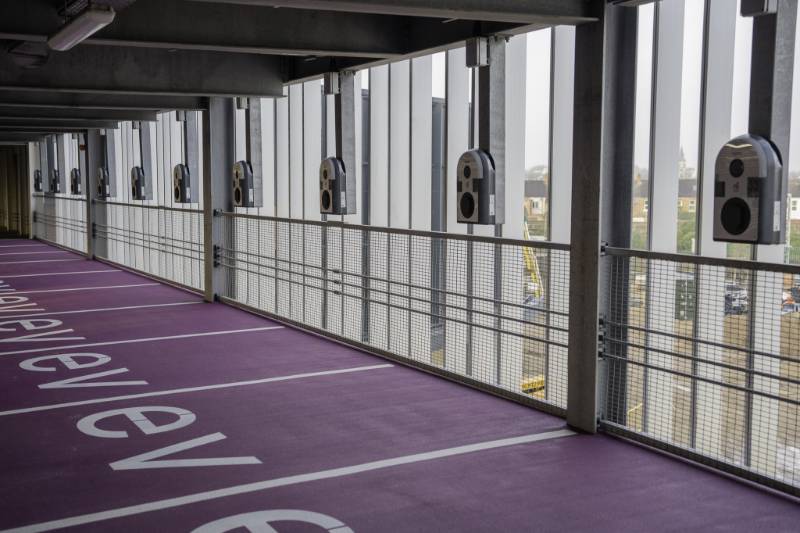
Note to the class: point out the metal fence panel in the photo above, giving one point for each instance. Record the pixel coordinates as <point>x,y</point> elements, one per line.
<point>484,309</point>
<point>60,220</point>
<point>161,241</point>
<point>706,358</point>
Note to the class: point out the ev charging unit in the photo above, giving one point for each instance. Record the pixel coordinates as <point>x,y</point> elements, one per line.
<point>141,181</point>
<point>749,198</point>
<point>75,181</point>
<point>480,180</point>
<point>54,155</point>
<point>246,173</point>
<point>37,180</point>
<point>182,173</point>
<point>750,175</point>
<point>105,181</point>
<point>55,181</point>
<point>75,173</point>
<point>337,187</point>
<point>476,188</point>
<point>243,184</point>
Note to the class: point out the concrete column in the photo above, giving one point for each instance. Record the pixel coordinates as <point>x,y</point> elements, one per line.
<point>218,160</point>
<point>602,166</point>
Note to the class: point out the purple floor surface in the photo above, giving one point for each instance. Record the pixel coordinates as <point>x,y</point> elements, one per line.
<point>52,470</point>
<point>129,291</point>
<point>180,363</point>
<point>112,326</point>
<point>29,265</point>
<point>78,277</point>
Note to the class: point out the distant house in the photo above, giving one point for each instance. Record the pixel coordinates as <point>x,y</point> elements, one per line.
<point>687,195</point>
<point>641,199</point>
<point>535,198</point>
<point>794,198</point>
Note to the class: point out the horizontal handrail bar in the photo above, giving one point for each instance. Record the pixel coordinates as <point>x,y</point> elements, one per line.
<point>740,264</point>
<point>545,245</point>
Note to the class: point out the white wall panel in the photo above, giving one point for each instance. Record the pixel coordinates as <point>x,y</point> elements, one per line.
<point>379,199</point>
<point>457,143</point>
<point>663,225</point>
<point>399,208</point>
<point>419,256</point>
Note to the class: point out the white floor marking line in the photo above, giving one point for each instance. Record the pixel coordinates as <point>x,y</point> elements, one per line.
<point>81,288</point>
<point>24,246</point>
<point>54,349</point>
<point>258,486</point>
<point>99,310</point>
<point>31,253</point>
<point>40,261</point>
<point>60,273</point>
<point>184,390</point>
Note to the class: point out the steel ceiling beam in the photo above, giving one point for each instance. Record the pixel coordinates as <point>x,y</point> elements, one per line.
<point>162,46</point>
<point>15,137</point>
<point>39,114</point>
<point>182,24</point>
<point>424,37</point>
<point>86,101</point>
<point>204,26</point>
<point>550,12</point>
<point>25,125</point>
<point>120,70</point>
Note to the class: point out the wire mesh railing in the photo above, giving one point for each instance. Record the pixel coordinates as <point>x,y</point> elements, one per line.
<point>485,310</point>
<point>60,220</point>
<point>165,242</point>
<point>703,355</point>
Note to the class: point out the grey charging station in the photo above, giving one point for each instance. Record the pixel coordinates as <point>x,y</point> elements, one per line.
<point>337,187</point>
<point>480,185</point>
<point>246,173</point>
<point>475,187</point>
<point>141,185</point>
<point>749,199</point>
<point>750,175</point>
<point>182,172</point>
<point>243,184</point>
<point>75,181</point>
<point>105,178</point>
<point>55,181</point>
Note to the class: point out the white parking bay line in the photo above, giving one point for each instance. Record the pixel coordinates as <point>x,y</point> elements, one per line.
<point>147,339</point>
<point>61,273</point>
<point>24,246</point>
<point>259,486</point>
<point>82,288</point>
<point>31,253</point>
<point>99,310</point>
<point>40,261</point>
<point>185,390</point>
